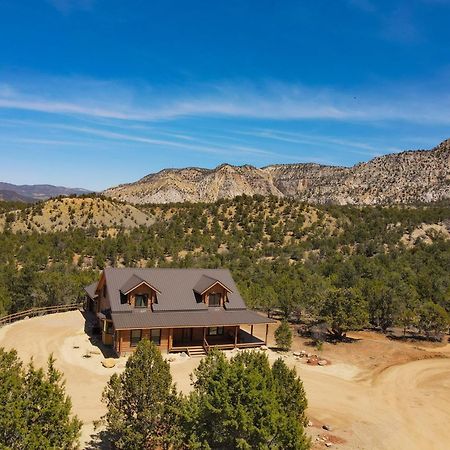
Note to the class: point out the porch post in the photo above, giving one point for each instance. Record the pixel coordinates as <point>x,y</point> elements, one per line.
<point>267,332</point>
<point>169,340</point>
<point>204,334</point>
<point>236,335</point>
<point>251,330</point>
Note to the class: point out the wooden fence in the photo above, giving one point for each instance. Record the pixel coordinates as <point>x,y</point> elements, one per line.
<point>33,312</point>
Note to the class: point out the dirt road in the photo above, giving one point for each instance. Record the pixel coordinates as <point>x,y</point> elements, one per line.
<point>373,395</point>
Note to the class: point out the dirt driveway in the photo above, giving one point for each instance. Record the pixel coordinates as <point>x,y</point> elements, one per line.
<point>376,394</point>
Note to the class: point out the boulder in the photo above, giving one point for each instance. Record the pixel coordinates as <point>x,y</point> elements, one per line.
<point>322,362</point>
<point>297,354</point>
<point>327,427</point>
<point>109,363</point>
<point>264,347</point>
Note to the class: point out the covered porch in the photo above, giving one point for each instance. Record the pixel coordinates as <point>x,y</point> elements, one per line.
<point>222,337</point>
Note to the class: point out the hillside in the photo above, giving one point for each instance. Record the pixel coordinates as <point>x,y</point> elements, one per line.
<point>34,192</point>
<point>408,177</point>
<point>7,195</point>
<point>63,214</point>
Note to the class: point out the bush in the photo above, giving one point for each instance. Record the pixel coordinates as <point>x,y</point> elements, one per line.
<point>283,336</point>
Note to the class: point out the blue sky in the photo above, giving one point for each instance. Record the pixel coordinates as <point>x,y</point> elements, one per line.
<point>99,92</point>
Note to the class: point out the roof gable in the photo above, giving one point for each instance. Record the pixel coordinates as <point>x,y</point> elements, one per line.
<point>205,282</point>
<point>133,282</point>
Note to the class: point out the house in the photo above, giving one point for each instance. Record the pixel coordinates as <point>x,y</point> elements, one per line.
<point>188,310</point>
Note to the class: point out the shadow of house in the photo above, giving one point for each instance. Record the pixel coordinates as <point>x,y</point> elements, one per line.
<point>93,331</point>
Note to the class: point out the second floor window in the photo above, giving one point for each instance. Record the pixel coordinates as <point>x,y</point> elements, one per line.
<point>141,301</point>
<point>214,299</point>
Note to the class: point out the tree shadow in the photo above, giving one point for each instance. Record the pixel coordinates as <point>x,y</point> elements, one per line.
<point>99,441</point>
<point>414,338</point>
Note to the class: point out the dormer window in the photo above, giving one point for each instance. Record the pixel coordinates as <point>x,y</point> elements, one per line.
<point>214,299</point>
<point>141,301</point>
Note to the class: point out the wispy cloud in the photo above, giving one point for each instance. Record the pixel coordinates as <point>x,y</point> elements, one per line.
<point>318,141</point>
<point>271,101</point>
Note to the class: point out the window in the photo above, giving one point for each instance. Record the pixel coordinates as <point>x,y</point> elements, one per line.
<point>141,301</point>
<point>214,299</point>
<point>155,336</point>
<point>215,331</point>
<point>135,337</point>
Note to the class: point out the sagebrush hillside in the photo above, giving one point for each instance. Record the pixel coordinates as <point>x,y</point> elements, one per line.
<point>63,214</point>
<point>409,177</point>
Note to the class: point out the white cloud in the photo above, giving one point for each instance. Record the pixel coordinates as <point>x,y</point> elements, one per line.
<point>271,101</point>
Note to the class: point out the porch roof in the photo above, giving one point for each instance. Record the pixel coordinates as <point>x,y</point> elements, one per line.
<point>90,290</point>
<point>209,318</point>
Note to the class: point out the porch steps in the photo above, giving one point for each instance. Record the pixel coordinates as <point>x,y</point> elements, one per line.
<point>196,351</point>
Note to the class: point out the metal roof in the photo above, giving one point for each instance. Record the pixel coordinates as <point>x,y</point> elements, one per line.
<point>205,282</point>
<point>133,282</point>
<point>90,290</point>
<point>176,288</point>
<point>210,318</point>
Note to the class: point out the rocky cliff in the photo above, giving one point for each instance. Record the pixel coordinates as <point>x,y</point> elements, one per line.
<point>407,177</point>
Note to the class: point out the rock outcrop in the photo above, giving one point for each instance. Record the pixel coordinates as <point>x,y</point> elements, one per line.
<point>407,177</point>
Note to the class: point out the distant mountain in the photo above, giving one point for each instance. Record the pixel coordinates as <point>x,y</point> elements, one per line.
<point>12,196</point>
<point>407,177</point>
<point>34,192</point>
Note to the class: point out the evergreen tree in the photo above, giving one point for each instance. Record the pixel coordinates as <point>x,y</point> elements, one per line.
<point>343,310</point>
<point>235,405</point>
<point>142,403</point>
<point>283,336</point>
<point>433,318</point>
<point>35,413</point>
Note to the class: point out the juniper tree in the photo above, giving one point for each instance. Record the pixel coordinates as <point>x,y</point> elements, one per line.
<point>344,309</point>
<point>237,404</point>
<point>142,403</point>
<point>283,336</point>
<point>35,412</point>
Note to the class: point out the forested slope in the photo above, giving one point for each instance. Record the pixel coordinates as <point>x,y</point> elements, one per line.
<point>389,261</point>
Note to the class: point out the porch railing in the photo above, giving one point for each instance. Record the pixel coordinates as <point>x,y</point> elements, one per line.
<point>206,345</point>
<point>33,312</point>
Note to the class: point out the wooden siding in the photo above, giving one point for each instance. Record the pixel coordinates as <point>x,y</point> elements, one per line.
<point>142,289</point>
<point>216,289</point>
<point>123,340</point>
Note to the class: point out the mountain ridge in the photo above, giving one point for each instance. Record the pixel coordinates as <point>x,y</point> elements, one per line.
<point>35,192</point>
<point>407,177</point>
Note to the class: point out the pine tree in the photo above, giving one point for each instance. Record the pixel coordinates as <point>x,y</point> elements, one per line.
<point>142,402</point>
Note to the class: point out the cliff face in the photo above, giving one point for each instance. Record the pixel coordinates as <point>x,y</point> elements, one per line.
<point>407,177</point>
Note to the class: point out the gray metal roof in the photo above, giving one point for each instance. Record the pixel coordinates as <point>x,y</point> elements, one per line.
<point>176,288</point>
<point>90,290</point>
<point>212,317</point>
<point>133,282</point>
<point>205,282</point>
